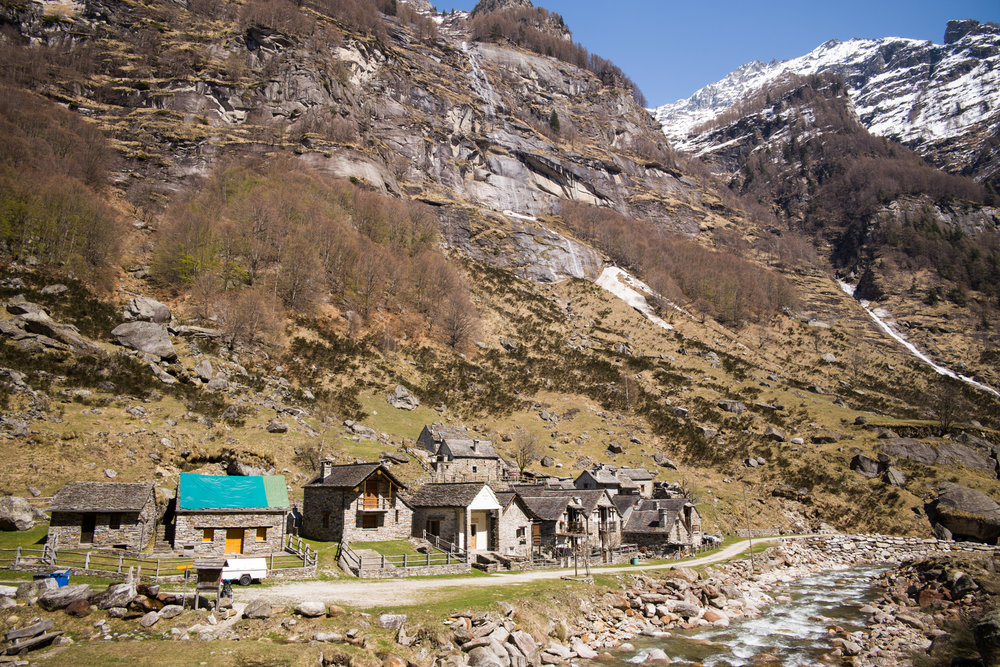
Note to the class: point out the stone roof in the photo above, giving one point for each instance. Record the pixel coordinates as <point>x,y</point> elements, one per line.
<point>645,517</point>
<point>636,474</point>
<point>546,508</point>
<point>439,432</point>
<point>445,495</point>
<point>352,474</point>
<point>467,448</point>
<point>623,503</point>
<point>589,498</point>
<point>102,497</point>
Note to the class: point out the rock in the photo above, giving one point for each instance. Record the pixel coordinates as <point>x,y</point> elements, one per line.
<point>78,608</point>
<point>311,609</point>
<point>147,337</point>
<point>391,621</point>
<point>828,358</point>
<point>110,473</point>
<point>31,590</point>
<point>334,610</point>
<point>825,437</point>
<point>661,460</point>
<point>509,344</point>
<point>850,648</point>
<point>42,325</point>
<point>734,407</point>
<point>116,595</point>
<point>217,384</point>
<point>657,655</point>
<point>987,636</point>
<point>866,466</point>
<point>582,650</point>
<point>894,477</point>
<point>775,434</point>
<point>54,290</point>
<point>118,612</point>
<point>393,660</point>
<point>328,637</point>
<point>150,619</point>
<point>171,611</point>
<point>718,618</point>
<point>526,645</point>
<point>204,370</point>
<point>547,462</point>
<point>394,457</point>
<point>162,375</point>
<point>16,513</point>
<point>965,513</point>
<point>402,399</point>
<point>146,309</point>
<point>615,448</point>
<point>60,598</point>
<point>707,433</point>
<point>275,426</point>
<point>363,431</point>
<point>258,608</point>
<point>683,608</point>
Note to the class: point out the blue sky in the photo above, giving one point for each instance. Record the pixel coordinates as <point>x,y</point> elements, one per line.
<point>672,48</point>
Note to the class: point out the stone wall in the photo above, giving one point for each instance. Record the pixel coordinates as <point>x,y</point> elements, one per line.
<point>452,523</point>
<point>512,519</point>
<point>330,514</point>
<point>890,547</point>
<point>189,533</point>
<point>472,469</point>
<point>136,529</point>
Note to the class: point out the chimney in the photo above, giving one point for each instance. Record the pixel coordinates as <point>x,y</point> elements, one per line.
<point>663,518</point>
<point>475,443</point>
<point>325,468</point>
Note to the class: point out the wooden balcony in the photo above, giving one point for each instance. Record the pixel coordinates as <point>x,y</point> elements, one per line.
<point>376,504</point>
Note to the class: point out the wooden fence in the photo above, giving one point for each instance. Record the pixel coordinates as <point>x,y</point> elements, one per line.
<point>445,558</point>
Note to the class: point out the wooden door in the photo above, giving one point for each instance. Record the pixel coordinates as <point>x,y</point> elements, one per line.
<point>371,494</point>
<point>472,537</point>
<point>87,524</point>
<point>536,534</point>
<point>234,540</point>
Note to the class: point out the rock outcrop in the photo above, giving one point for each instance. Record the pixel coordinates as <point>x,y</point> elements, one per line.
<point>964,513</point>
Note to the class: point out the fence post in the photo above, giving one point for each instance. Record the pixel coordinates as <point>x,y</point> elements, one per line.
<point>404,561</point>
<point>428,557</point>
<point>272,562</point>
<point>156,575</point>
<point>17,558</point>
<point>86,562</point>
<point>447,558</point>
<point>121,558</point>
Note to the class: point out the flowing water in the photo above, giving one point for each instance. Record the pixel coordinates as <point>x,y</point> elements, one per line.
<point>795,633</point>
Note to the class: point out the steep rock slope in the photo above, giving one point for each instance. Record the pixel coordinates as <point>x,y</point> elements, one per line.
<point>943,100</point>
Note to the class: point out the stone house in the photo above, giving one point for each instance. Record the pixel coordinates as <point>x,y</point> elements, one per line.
<point>466,514</point>
<point>359,502</point>
<point>670,524</point>
<point>588,515</point>
<point>432,436</point>
<point>103,515</point>
<point>516,526</point>
<point>627,481</point>
<point>216,515</point>
<point>462,460</point>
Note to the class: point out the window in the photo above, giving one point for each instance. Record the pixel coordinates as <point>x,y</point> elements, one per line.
<point>114,521</point>
<point>397,516</point>
<point>521,531</point>
<point>434,526</point>
<point>208,535</point>
<point>475,468</point>
<point>261,534</point>
<point>370,521</point>
<point>326,519</point>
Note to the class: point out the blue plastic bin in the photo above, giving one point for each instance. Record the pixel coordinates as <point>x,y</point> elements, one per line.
<point>61,577</point>
<point>634,561</point>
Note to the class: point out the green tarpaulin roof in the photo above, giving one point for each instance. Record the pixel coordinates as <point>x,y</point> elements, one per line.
<point>203,492</point>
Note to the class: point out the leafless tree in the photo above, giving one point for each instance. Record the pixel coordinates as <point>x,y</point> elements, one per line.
<point>526,449</point>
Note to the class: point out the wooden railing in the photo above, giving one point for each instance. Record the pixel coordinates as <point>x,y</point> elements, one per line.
<point>359,564</point>
<point>297,546</point>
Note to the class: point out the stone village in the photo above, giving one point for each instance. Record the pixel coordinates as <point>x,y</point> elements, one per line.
<point>476,510</point>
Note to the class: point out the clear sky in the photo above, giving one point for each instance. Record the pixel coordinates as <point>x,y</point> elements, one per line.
<point>672,49</point>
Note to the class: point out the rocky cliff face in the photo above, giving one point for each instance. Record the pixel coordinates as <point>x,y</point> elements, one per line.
<point>943,100</point>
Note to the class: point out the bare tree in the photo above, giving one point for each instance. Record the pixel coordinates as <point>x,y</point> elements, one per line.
<point>459,320</point>
<point>526,449</point>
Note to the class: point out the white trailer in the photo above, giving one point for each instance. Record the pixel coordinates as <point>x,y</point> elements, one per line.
<point>244,570</point>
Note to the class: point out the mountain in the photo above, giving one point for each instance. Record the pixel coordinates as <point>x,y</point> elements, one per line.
<point>337,197</point>
<point>942,100</point>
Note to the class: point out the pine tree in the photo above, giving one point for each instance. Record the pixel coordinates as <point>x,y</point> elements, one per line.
<point>554,121</point>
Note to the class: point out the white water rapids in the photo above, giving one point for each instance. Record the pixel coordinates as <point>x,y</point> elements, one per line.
<point>884,326</point>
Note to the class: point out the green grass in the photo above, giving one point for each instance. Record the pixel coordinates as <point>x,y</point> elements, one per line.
<point>389,548</point>
<point>24,538</point>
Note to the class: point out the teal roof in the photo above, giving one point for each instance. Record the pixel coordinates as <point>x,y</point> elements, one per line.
<point>210,492</point>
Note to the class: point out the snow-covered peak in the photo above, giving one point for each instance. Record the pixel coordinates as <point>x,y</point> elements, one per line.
<point>914,91</point>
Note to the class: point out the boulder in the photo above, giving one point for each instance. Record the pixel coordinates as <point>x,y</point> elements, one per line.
<point>526,645</point>
<point>17,513</point>
<point>894,477</point>
<point>734,407</point>
<point>583,650</point>
<point>60,598</point>
<point>275,426</point>
<point>54,290</point>
<point>258,608</point>
<point>204,370</point>
<point>117,595</point>
<point>987,635</point>
<point>391,621</point>
<point>394,457</point>
<point>828,358</point>
<point>547,462</point>
<point>615,448</point>
<point>482,656</point>
<point>311,609</point>
<point>43,325</point>
<point>944,453</point>
<point>775,434</point>
<point>217,384</point>
<point>683,608</point>
<point>146,309</point>
<point>149,619</point>
<point>147,337</point>
<point>31,590</point>
<point>825,437</point>
<point>661,460</point>
<point>328,637</point>
<point>171,610</point>
<point>866,466</point>
<point>657,655</point>
<point>965,513</point>
<point>402,399</point>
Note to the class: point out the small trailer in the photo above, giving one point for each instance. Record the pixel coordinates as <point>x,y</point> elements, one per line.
<point>244,570</point>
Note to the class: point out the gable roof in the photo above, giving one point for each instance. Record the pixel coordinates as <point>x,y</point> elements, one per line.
<point>507,498</point>
<point>445,495</point>
<point>439,431</point>
<point>546,508</point>
<point>589,498</point>
<point>623,478</point>
<point>467,448</point>
<point>645,517</point>
<point>636,474</point>
<point>624,504</point>
<point>353,474</point>
<point>218,492</point>
<point>102,497</point>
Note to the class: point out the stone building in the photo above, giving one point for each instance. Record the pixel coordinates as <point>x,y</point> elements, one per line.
<point>465,514</point>
<point>626,481</point>
<point>516,526</point>
<point>356,502</point>
<point>588,515</point>
<point>669,524</point>
<point>469,460</point>
<point>432,436</point>
<point>219,515</point>
<point>103,515</point>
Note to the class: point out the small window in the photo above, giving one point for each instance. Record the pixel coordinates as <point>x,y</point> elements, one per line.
<point>208,535</point>
<point>397,516</point>
<point>475,468</point>
<point>262,534</point>
<point>370,521</point>
<point>326,519</point>
<point>521,531</point>
<point>114,521</point>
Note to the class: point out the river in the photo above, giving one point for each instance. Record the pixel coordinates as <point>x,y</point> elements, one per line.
<point>795,631</point>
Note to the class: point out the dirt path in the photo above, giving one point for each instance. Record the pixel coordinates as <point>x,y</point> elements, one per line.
<point>366,594</point>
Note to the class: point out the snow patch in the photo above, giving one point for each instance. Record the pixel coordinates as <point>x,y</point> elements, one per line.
<point>879,315</point>
<point>630,290</point>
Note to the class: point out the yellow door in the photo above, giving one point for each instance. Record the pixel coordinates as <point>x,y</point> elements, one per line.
<point>234,540</point>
